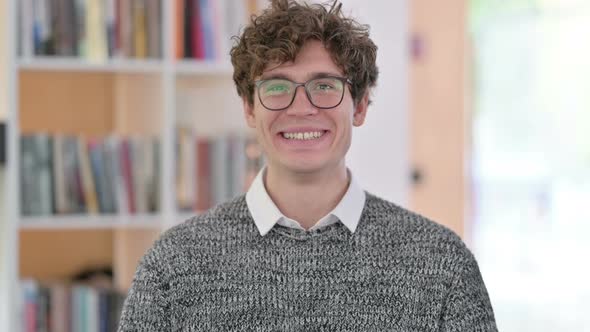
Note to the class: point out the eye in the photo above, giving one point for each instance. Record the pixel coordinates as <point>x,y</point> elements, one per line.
<point>325,85</point>
<point>276,87</point>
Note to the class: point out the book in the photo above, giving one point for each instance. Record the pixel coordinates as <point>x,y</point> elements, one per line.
<point>36,175</point>
<point>139,29</point>
<point>125,158</point>
<point>60,189</point>
<point>112,147</point>
<point>196,32</point>
<point>185,165</point>
<point>110,177</point>
<point>59,304</point>
<point>154,28</point>
<point>29,290</point>
<point>96,38</point>
<point>203,170</point>
<point>43,162</point>
<point>179,14</point>
<point>88,183</point>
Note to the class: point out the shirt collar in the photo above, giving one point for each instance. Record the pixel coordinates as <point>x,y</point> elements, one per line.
<point>266,214</point>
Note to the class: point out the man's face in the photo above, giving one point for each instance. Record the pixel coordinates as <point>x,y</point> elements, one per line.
<point>278,131</point>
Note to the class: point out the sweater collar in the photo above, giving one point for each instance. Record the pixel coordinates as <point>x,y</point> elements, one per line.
<point>266,214</point>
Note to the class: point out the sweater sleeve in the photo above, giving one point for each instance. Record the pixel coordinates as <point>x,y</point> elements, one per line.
<point>146,307</point>
<point>468,306</point>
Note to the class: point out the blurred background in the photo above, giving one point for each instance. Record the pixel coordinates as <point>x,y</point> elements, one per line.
<point>121,121</point>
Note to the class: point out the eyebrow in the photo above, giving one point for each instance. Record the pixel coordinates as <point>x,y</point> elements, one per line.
<point>286,77</point>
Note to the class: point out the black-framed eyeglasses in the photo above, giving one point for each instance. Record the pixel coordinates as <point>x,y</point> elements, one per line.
<point>277,94</point>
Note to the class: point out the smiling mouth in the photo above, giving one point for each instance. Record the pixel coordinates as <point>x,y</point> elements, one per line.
<point>304,136</point>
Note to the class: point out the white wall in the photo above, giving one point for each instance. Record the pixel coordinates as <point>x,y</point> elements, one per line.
<point>379,155</point>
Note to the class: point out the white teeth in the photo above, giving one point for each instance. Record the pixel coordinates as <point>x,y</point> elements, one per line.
<point>303,136</point>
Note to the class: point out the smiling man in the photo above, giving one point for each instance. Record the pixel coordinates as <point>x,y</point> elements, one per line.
<point>306,248</point>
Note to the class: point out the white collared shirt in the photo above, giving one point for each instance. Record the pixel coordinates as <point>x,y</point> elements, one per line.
<point>266,214</point>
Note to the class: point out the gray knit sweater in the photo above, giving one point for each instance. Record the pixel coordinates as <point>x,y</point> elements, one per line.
<point>397,272</point>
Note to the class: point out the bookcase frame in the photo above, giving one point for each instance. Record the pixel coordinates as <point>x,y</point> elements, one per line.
<point>131,234</point>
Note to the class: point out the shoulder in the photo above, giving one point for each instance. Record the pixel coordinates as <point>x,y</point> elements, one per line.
<point>220,223</point>
<point>410,229</point>
<point>226,217</point>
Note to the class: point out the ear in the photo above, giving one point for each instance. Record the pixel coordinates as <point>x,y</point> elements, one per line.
<point>360,110</point>
<point>249,113</point>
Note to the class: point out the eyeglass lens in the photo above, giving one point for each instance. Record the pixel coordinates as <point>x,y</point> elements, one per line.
<point>278,94</point>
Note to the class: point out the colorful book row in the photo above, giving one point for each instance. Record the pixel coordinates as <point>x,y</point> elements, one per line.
<point>59,307</point>
<point>211,170</point>
<point>204,28</point>
<point>91,29</point>
<point>63,174</point>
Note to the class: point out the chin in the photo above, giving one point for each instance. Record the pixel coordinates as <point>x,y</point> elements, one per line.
<point>307,165</point>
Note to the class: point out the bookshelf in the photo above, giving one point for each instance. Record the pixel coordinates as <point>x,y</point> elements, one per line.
<point>96,96</point>
<point>71,64</point>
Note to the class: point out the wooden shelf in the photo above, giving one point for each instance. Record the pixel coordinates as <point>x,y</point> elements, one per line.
<point>91,222</point>
<point>117,65</point>
<point>120,65</point>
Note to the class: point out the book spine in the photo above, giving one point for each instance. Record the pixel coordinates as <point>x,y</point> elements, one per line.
<point>88,184</point>
<point>27,181</point>
<point>96,34</point>
<point>153,28</point>
<point>203,201</point>
<point>109,26</point>
<point>98,174</point>
<point>27,23</point>
<point>127,172</point>
<point>188,28</point>
<point>179,11</point>
<point>206,14</point>
<point>109,177</point>
<point>29,290</point>
<point>43,169</point>
<point>139,174</point>
<point>116,167</point>
<point>139,25</point>
<point>155,190</point>
<point>60,187</point>
<point>81,28</point>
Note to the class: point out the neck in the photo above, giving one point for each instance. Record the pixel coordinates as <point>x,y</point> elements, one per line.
<point>306,197</point>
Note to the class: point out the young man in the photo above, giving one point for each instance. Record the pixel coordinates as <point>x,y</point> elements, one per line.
<point>306,249</point>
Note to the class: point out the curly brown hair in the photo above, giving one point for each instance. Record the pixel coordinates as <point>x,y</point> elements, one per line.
<point>280,31</point>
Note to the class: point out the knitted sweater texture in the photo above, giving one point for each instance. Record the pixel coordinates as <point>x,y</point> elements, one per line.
<point>397,272</point>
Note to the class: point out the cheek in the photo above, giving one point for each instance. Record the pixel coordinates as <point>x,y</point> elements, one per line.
<point>264,123</point>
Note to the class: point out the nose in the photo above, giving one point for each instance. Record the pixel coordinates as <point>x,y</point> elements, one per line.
<point>301,104</point>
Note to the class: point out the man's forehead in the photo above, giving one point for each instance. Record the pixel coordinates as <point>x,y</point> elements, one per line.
<point>299,75</point>
<point>312,59</point>
<point>295,72</point>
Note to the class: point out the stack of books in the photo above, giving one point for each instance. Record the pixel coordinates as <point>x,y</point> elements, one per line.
<point>91,29</point>
<point>204,28</point>
<point>62,174</point>
<point>60,307</point>
<point>211,170</point>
